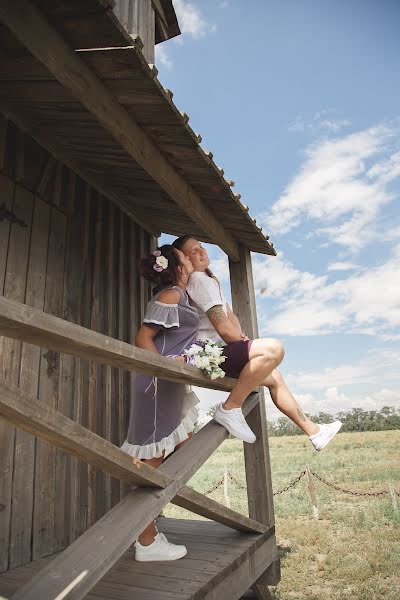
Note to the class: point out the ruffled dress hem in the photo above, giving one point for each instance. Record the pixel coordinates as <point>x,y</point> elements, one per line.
<point>168,443</point>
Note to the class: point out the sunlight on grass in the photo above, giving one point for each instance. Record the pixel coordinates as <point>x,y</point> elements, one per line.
<point>353,551</point>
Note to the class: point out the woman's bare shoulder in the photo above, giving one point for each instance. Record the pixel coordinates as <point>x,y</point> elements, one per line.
<point>169,296</point>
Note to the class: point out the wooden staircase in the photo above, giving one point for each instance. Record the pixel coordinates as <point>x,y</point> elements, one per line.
<point>217,566</point>
<point>248,552</point>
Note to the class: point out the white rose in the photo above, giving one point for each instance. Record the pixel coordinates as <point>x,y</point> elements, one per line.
<point>201,362</point>
<point>205,363</point>
<point>194,349</point>
<point>162,261</point>
<point>209,349</point>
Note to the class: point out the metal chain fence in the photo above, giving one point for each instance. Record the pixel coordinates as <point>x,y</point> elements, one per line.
<point>296,480</point>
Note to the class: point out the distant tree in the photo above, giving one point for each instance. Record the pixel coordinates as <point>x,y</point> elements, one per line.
<point>355,419</point>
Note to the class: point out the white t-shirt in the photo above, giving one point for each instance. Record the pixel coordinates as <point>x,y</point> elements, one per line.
<point>204,293</point>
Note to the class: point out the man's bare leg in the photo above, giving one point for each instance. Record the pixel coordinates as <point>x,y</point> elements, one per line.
<point>284,400</point>
<point>264,356</point>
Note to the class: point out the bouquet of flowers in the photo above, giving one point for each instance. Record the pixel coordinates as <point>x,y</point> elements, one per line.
<point>207,356</point>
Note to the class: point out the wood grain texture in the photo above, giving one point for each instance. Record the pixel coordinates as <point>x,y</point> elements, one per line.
<point>24,456</point>
<point>14,277</point>
<point>45,469</point>
<point>257,461</point>
<point>77,569</point>
<point>21,322</point>
<point>48,424</point>
<point>195,576</point>
<point>68,68</point>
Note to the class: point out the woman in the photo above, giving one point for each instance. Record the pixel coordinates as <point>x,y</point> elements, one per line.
<point>252,362</point>
<point>163,413</point>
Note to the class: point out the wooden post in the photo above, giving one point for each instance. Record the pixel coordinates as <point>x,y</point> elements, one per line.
<point>393,497</point>
<point>313,495</point>
<point>226,495</point>
<point>257,461</point>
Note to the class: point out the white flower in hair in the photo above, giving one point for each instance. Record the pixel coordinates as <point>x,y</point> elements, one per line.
<point>162,261</point>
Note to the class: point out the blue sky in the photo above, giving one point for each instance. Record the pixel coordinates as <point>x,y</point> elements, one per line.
<point>298,101</point>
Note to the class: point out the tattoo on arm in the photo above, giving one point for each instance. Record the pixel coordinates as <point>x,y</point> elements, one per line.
<point>301,415</point>
<point>216,313</point>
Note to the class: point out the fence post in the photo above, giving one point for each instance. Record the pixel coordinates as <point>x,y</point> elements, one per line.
<point>393,497</point>
<point>313,495</point>
<point>226,495</point>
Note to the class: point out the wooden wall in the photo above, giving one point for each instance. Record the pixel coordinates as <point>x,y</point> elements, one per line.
<point>68,251</point>
<point>138,18</point>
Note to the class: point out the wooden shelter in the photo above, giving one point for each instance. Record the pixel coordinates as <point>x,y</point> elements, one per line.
<point>95,162</point>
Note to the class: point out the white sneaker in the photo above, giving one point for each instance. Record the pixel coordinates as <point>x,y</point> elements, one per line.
<point>160,549</point>
<point>325,434</point>
<point>234,421</point>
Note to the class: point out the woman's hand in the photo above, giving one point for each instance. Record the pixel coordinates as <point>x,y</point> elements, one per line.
<point>244,337</point>
<point>180,359</point>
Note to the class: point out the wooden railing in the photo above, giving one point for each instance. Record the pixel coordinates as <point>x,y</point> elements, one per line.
<point>76,570</point>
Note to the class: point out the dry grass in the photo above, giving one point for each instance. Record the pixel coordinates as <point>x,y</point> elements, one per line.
<point>353,551</point>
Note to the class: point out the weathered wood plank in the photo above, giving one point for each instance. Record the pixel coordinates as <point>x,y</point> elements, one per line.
<point>74,572</point>
<point>7,188</point>
<point>123,257</point>
<point>240,575</point>
<point>109,420</point>
<point>31,28</point>
<point>67,480</point>
<point>257,462</point>
<point>46,175</point>
<point>45,471</point>
<point>21,322</point>
<point>24,457</point>
<point>19,174</point>
<point>3,140</point>
<point>10,351</point>
<point>54,145</point>
<point>93,366</point>
<point>87,250</point>
<point>45,422</point>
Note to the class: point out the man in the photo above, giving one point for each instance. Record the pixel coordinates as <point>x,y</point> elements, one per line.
<point>251,362</point>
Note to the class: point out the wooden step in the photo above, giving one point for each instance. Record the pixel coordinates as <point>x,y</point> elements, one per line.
<point>220,563</point>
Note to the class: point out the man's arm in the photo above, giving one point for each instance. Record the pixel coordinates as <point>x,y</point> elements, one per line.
<point>232,317</point>
<point>229,331</point>
<point>235,321</point>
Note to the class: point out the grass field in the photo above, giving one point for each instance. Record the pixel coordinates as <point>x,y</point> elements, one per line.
<point>353,550</point>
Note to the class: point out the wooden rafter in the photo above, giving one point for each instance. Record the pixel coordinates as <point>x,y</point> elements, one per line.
<point>32,29</point>
<point>54,146</point>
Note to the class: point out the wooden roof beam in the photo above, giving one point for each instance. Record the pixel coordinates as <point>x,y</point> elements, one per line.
<point>44,42</point>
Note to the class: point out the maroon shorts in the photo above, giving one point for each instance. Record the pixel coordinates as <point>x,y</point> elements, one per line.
<point>237,355</point>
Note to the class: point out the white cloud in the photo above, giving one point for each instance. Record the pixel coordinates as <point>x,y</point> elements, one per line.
<point>339,190</point>
<point>342,266</point>
<point>162,57</point>
<point>340,388</point>
<point>366,302</point>
<point>323,121</point>
<point>191,21</point>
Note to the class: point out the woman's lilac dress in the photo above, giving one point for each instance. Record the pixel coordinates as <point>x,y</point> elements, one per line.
<point>163,412</point>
